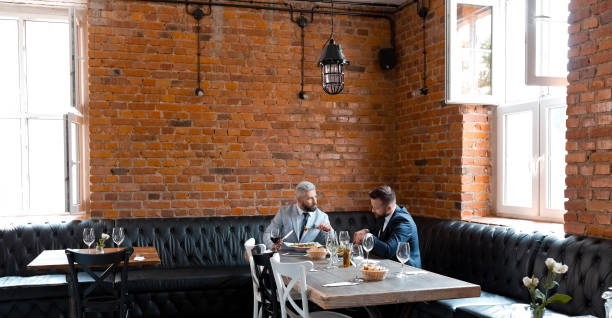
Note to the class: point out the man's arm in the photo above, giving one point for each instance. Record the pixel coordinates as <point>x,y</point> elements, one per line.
<point>401,232</point>
<point>277,222</point>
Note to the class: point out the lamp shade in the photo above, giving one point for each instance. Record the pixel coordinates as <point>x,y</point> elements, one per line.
<point>332,63</point>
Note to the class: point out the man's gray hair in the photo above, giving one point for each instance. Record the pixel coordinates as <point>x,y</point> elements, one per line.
<point>303,187</point>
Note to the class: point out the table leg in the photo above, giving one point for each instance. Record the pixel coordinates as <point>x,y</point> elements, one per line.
<point>71,291</point>
<point>373,312</point>
<point>406,310</point>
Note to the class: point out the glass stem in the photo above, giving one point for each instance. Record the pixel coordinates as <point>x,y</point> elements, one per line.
<point>402,268</point>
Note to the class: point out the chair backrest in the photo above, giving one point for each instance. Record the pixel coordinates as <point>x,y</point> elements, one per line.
<point>248,246</point>
<point>270,308</point>
<point>296,272</point>
<point>104,282</point>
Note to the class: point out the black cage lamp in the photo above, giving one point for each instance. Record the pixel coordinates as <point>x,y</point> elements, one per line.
<point>332,63</point>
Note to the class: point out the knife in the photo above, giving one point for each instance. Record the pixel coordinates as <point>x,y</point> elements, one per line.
<point>338,284</point>
<point>286,236</point>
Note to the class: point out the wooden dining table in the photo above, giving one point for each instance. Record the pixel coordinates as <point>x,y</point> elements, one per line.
<point>417,286</point>
<point>56,260</point>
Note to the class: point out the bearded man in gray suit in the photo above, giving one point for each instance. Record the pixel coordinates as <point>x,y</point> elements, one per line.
<point>308,223</point>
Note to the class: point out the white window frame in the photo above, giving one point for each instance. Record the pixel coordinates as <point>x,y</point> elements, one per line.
<point>76,18</point>
<point>497,51</point>
<point>539,163</point>
<point>530,52</point>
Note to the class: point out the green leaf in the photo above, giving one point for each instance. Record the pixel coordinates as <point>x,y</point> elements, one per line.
<point>539,295</point>
<point>559,298</point>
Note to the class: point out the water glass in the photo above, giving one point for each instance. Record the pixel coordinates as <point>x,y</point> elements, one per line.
<point>88,236</point>
<point>368,245</point>
<point>118,235</point>
<point>403,255</point>
<point>357,259</point>
<point>331,243</point>
<point>344,238</point>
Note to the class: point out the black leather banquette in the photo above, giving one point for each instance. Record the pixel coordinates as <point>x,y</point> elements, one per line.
<point>204,274</point>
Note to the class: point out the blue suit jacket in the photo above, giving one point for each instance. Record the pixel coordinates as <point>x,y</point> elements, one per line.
<point>401,228</point>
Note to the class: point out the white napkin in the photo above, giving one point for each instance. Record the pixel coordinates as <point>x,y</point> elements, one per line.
<point>338,284</point>
<point>139,258</point>
<point>415,272</point>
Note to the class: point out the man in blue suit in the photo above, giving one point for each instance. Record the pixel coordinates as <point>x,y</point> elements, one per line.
<point>394,225</point>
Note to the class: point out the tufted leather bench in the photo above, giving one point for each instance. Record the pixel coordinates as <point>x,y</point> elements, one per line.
<point>203,272</point>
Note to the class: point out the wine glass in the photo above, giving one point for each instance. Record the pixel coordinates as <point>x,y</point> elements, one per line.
<point>357,259</point>
<point>368,245</point>
<point>118,235</point>
<point>275,235</point>
<point>331,243</point>
<point>403,255</point>
<point>344,238</point>
<point>88,236</point>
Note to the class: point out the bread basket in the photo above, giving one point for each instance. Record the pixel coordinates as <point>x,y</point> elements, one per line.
<point>374,273</point>
<point>316,253</point>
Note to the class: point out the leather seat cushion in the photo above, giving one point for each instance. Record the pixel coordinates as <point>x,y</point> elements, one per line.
<point>29,287</point>
<point>226,277</point>
<point>500,311</point>
<point>447,307</point>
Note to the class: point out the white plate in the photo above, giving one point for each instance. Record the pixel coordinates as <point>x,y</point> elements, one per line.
<point>303,247</point>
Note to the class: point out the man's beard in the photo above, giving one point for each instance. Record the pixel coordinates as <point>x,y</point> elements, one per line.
<point>309,208</point>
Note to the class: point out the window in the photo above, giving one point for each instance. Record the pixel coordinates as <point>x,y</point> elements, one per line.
<point>531,121</point>
<point>40,118</point>
<point>472,51</point>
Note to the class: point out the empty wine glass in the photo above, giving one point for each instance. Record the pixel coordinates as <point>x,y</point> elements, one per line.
<point>403,255</point>
<point>331,243</point>
<point>368,245</point>
<point>88,236</point>
<point>118,235</point>
<point>344,238</point>
<point>357,259</point>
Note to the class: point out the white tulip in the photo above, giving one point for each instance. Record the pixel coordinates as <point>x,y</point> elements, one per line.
<point>527,281</point>
<point>560,268</point>
<point>550,263</point>
<point>105,236</point>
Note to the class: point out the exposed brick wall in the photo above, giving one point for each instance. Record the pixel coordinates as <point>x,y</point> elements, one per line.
<point>443,156</point>
<point>589,124</point>
<point>158,150</point>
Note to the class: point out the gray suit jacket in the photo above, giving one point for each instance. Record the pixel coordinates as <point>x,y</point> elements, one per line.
<point>287,219</point>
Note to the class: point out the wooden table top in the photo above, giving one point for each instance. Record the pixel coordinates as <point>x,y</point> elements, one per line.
<point>57,260</point>
<point>421,286</point>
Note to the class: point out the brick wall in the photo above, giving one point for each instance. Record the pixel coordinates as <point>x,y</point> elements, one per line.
<point>158,150</point>
<point>443,155</point>
<point>589,132</point>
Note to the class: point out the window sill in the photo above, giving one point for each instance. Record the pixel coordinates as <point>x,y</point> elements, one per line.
<point>520,225</point>
<point>41,219</point>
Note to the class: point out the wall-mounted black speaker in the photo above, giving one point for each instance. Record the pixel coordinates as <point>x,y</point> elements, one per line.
<point>386,57</point>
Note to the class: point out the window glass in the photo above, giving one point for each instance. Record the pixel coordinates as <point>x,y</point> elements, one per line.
<point>10,183</point>
<point>556,160</point>
<point>474,29</point>
<point>48,83</point>
<point>46,163</point>
<point>9,68</point>
<point>550,21</point>
<point>518,150</point>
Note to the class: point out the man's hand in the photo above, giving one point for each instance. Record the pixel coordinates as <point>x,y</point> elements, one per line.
<point>324,227</point>
<point>277,246</point>
<point>359,236</point>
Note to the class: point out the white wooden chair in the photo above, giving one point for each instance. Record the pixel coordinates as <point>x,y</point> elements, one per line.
<point>248,246</point>
<point>296,272</point>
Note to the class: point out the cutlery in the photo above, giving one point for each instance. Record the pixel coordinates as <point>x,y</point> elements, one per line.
<point>286,236</point>
<point>338,284</point>
<point>294,254</point>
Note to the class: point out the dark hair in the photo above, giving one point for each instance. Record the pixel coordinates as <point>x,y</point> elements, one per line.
<point>384,193</point>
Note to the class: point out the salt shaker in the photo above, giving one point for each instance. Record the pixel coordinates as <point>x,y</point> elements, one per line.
<point>608,305</point>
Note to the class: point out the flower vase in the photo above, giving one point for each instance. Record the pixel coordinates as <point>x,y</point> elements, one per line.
<point>538,312</point>
<point>99,248</point>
